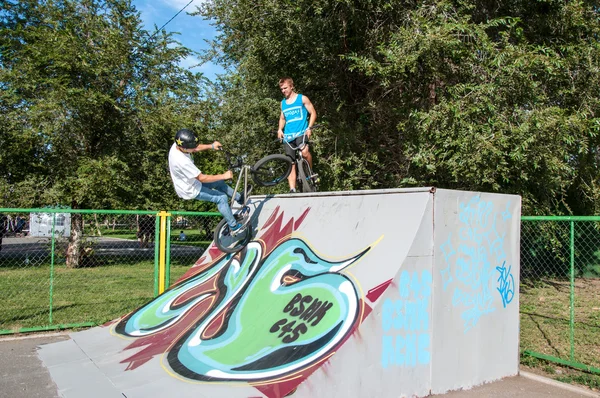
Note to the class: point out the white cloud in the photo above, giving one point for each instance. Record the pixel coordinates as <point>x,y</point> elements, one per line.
<point>179,4</point>
<point>190,62</point>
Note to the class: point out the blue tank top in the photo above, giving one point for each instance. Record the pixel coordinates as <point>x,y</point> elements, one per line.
<point>296,119</point>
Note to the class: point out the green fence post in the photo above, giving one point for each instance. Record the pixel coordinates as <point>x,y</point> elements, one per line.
<point>52,267</point>
<point>168,254</point>
<point>156,253</point>
<point>572,299</point>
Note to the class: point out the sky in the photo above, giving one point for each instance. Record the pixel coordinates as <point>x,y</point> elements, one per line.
<point>193,31</point>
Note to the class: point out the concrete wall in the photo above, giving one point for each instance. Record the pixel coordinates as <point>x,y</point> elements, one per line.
<point>476,279</point>
<point>383,293</point>
<point>450,319</point>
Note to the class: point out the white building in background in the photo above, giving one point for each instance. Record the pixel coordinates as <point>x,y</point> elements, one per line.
<point>40,224</point>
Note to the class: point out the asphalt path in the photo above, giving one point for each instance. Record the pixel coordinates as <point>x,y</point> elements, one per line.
<point>36,250</point>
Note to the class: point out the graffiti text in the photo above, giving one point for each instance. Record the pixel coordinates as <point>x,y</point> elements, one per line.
<point>506,283</point>
<point>405,322</point>
<point>299,307</point>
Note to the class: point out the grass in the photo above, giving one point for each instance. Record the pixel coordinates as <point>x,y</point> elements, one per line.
<point>79,295</point>
<point>546,328</point>
<point>114,286</point>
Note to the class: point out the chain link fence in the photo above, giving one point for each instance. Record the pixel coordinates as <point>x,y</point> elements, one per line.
<point>66,268</point>
<point>190,235</point>
<point>560,290</point>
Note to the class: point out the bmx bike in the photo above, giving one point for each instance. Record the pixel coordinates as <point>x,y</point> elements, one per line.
<point>306,179</point>
<point>268,171</point>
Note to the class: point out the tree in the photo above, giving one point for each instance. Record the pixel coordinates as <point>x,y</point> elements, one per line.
<point>90,102</point>
<point>485,95</point>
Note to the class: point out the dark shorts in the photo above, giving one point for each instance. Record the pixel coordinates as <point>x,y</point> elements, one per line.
<point>294,143</point>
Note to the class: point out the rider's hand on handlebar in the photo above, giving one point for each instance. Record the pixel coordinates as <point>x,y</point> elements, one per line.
<point>308,132</point>
<point>280,134</point>
<point>228,175</point>
<point>217,145</point>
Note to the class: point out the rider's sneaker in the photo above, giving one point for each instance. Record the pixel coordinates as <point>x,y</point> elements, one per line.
<point>248,191</point>
<point>293,190</point>
<point>238,228</point>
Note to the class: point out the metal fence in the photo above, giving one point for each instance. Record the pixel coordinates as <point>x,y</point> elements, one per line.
<point>560,290</point>
<point>63,268</point>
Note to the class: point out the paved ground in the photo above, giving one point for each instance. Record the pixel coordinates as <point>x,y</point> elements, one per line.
<point>22,375</point>
<point>37,250</point>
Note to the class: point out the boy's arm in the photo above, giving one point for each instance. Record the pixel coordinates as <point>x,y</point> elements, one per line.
<point>313,114</point>
<point>281,126</point>
<point>228,175</point>
<point>205,147</point>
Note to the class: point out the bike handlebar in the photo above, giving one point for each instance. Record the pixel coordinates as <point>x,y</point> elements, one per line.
<point>314,127</point>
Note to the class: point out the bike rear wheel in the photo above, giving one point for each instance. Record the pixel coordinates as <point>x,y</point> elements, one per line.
<point>271,170</point>
<point>228,243</point>
<point>306,181</point>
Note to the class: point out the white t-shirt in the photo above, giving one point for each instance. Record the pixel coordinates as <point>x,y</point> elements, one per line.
<point>184,173</point>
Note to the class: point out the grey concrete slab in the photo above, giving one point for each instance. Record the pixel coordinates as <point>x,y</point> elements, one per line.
<point>98,342</point>
<point>23,375</point>
<point>82,377</point>
<point>60,353</point>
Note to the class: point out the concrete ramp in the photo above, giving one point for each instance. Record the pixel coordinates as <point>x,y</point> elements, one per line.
<point>380,293</point>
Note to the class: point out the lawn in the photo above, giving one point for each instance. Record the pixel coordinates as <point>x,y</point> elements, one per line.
<point>546,329</point>
<point>91,294</point>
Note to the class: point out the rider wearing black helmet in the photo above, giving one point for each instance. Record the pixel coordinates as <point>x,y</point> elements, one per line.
<point>191,183</point>
<point>185,138</point>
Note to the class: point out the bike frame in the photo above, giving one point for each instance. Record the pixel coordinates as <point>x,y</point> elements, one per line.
<point>299,158</point>
<point>243,174</point>
<point>298,151</point>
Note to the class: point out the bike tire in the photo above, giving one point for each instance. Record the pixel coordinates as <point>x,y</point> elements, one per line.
<point>231,244</point>
<point>306,182</point>
<point>271,170</point>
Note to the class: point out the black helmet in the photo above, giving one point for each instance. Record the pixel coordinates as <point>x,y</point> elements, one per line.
<point>186,139</point>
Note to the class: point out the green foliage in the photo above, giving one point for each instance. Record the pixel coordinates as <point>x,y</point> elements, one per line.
<point>90,104</point>
<point>484,95</point>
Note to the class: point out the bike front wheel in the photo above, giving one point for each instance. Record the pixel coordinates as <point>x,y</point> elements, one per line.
<point>228,243</point>
<point>271,170</point>
<point>306,180</point>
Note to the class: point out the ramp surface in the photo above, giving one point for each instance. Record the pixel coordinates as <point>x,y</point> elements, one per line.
<point>333,297</point>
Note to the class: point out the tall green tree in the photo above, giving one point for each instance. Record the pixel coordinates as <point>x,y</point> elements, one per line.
<point>498,96</point>
<point>89,104</point>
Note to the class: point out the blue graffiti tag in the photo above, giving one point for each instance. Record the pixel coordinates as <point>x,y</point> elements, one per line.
<point>506,283</point>
<point>405,322</point>
<point>473,255</point>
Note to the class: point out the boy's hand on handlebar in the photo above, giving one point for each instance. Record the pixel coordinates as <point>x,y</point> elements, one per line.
<point>308,132</point>
<point>228,175</point>
<point>217,145</point>
<point>280,134</point>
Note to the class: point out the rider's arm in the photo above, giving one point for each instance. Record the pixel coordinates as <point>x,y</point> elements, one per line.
<point>214,177</point>
<point>281,125</point>
<point>313,114</point>
<point>205,147</point>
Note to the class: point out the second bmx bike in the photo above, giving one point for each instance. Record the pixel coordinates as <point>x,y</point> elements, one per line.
<point>269,171</point>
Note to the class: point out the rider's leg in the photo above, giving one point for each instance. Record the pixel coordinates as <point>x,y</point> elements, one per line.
<point>292,177</point>
<point>222,186</point>
<point>220,199</point>
<point>307,155</point>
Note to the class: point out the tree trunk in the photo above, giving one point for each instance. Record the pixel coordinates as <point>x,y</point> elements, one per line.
<point>75,247</point>
<point>98,231</point>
